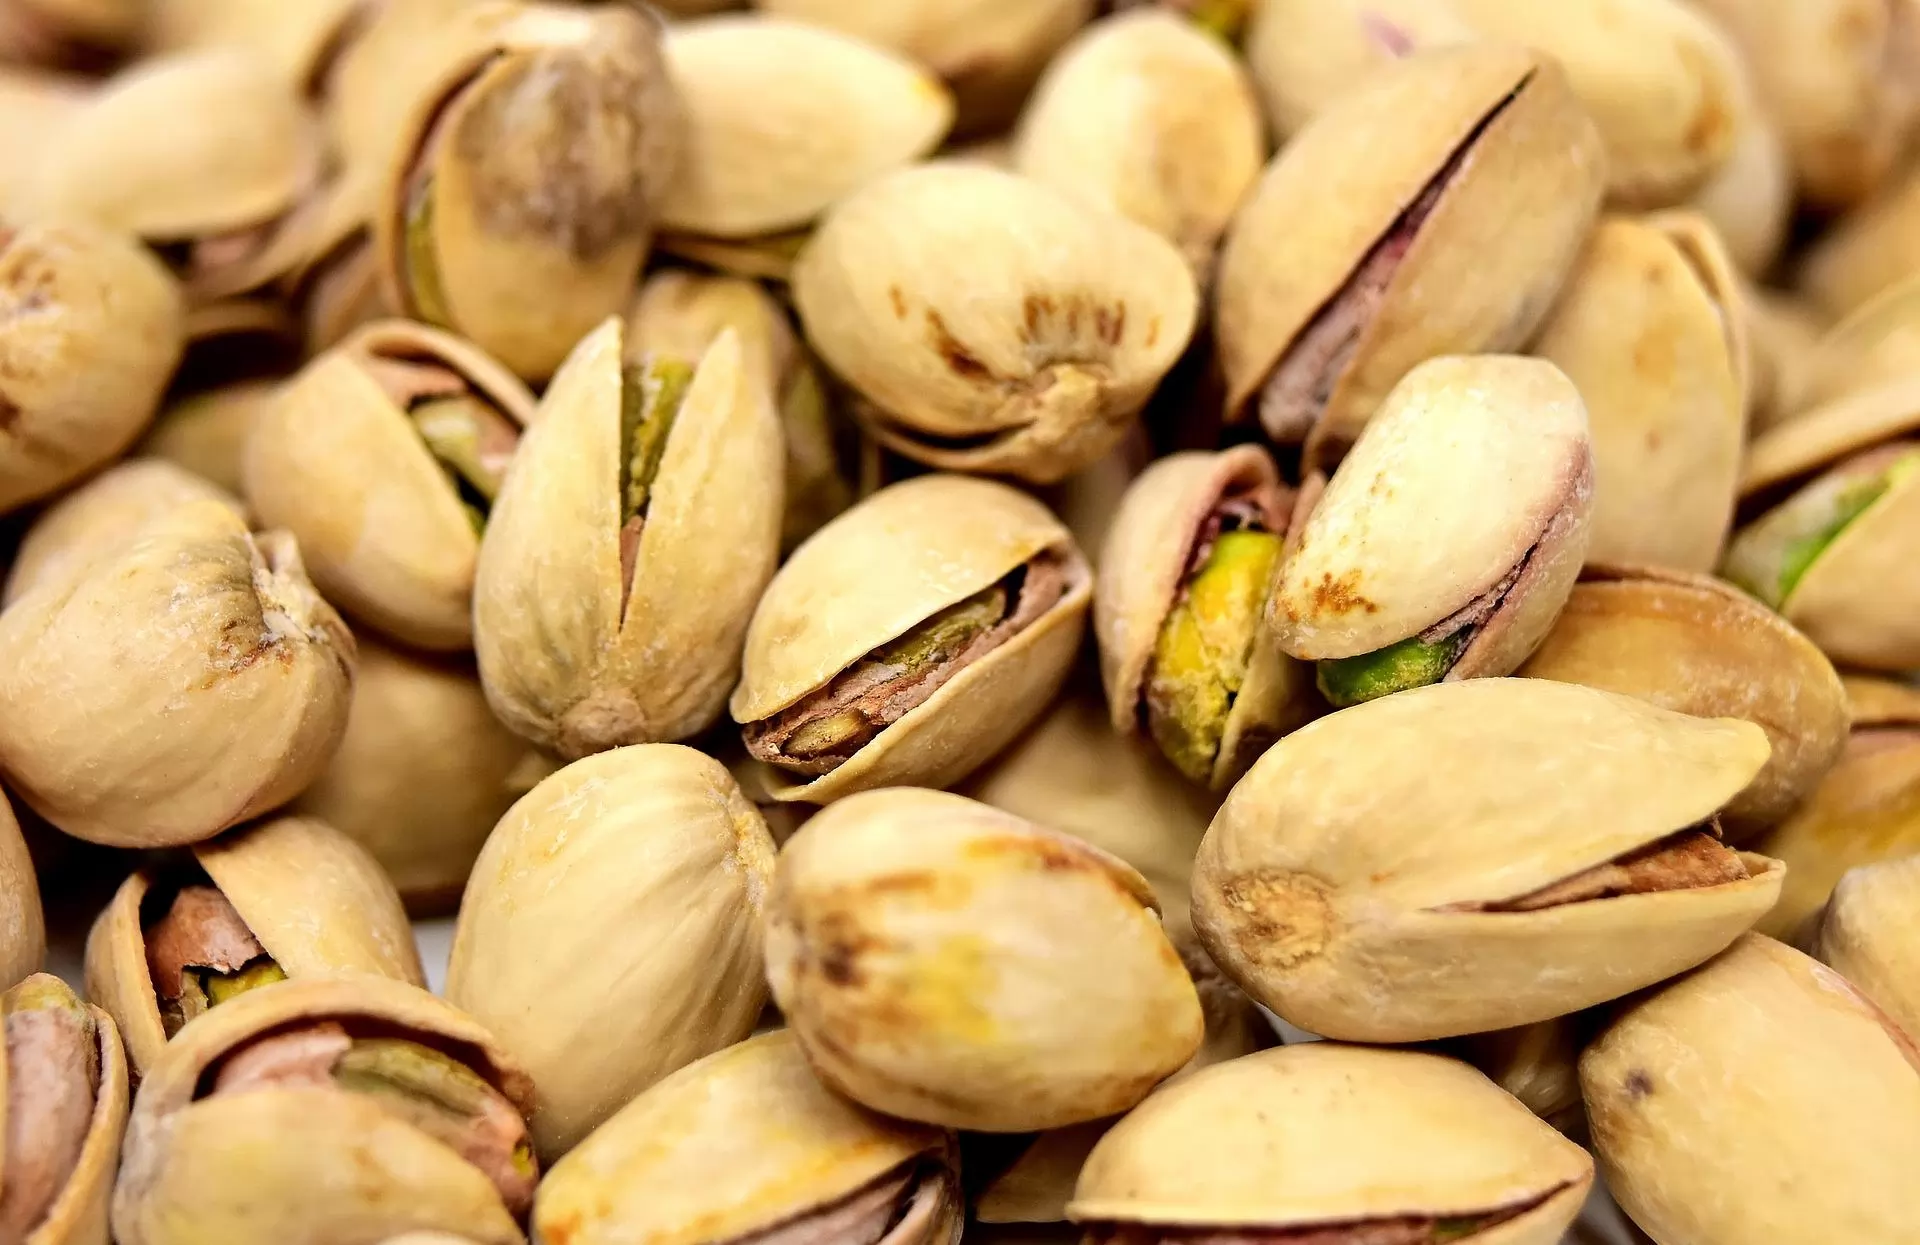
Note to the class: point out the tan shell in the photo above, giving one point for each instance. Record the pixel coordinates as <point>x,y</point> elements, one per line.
<point>882,568</point>
<point>1304,55</point>
<point>408,52</point>
<point>1538,1064</point>
<point>1323,885</point>
<point>944,961</point>
<point>314,899</point>
<point>1324,1134</point>
<point>303,1166</point>
<point>566,662</point>
<point>1867,935</point>
<point>624,895</point>
<point>1877,342</point>
<point>1867,252</point>
<point>82,383</point>
<point>196,619</point>
<point>1750,200</point>
<point>206,432</point>
<point>1692,1158</point>
<point>297,40</point>
<point>1693,644</point>
<point>992,324</point>
<point>23,929</point>
<point>1880,702</point>
<point>34,107</point>
<point>1782,334</point>
<point>753,1111</point>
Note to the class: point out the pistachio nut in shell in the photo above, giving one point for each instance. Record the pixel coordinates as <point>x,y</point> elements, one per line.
<point>1536,1063</point>
<point>1435,210</point>
<point>944,961</point>
<point>1867,934</point>
<point>63,1104</point>
<point>196,618</point>
<point>23,929</point>
<point>327,1109</point>
<point>80,376</point>
<point>989,322</point>
<point>289,897</point>
<point>1146,114</point>
<point>756,1149</point>
<point>206,432</point>
<point>1692,644</point>
<point>1180,613</point>
<point>1478,855</point>
<point>1335,1143</point>
<point>627,547</point>
<point>1447,541</point>
<point>911,639</point>
<point>1866,252</point>
<point>1878,341</point>
<point>624,894</point>
<point>1695,1157</point>
<point>1304,55</point>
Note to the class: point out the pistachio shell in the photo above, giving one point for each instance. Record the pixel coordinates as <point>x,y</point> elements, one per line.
<point>1880,702</point>
<point>978,972</point>
<point>1867,252</point>
<point>1876,343</point>
<point>992,323</point>
<point>1867,935</point>
<point>1750,200</point>
<point>34,108</point>
<point>1339,882</point>
<point>1694,1158</point>
<point>1305,54</point>
<point>23,931</point>
<point>1538,1064</point>
<point>297,40</point>
<point>410,50</point>
<point>1782,333</point>
<point>206,433</point>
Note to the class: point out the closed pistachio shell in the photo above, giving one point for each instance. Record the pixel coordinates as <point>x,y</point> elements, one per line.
<point>978,972</point>
<point>1305,54</point>
<point>297,40</point>
<point>1327,1137</point>
<point>1867,934</point>
<point>1821,1156</point>
<point>1478,855</point>
<point>1783,333</point>
<point>1878,342</point>
<point>912,638</point>
<point>220,628</point>
<point>23,930</point>
<point>794,1158</point>
<point>1868,251</point>
<point>206,433</point>
<point>1750,200</point>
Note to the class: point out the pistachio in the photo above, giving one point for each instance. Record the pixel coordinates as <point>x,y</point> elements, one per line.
<point>1877,342</point>
<point>1783,334</point>
<point>1446,543</point>
<point>978,972</point>
<point>1538,1064</point>
<point>206,432</point>
<point>1436,210</point>
<point>1478,855</point>
<point>1867,252</point>
<point>1866,934</point>
<point>800,1164</point>
<point>910,639</point>
<point>627,547</point>
<point>989,322</point>
<point>218,630</point>
<point>1692,1159</point>
<point>301,42</point>
<point>1750,200</point>
<point>1305,54</point>
<point>23,930</point>
<point>34,107</point>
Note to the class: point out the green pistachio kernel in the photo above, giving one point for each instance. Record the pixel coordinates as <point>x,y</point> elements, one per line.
<point>423,282</point>
<point>219,987</point>
<point>1456,1229</point>
<point>463,433</point>
<point>1414,662</point>
<point>433,1091</point>
<point>1771,557</point>
<point>650,396</point>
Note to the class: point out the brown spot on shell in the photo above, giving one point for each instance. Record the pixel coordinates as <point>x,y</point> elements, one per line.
<point>1275,917</point>
<point>9,414</point>
<point>898,300</point>
<point>959,360</point>
<point>1341,595</point>
<point>1639,1085</point>
<point>1059,323</point>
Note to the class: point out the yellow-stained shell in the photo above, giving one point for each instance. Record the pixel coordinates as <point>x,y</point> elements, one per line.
<point>1866,252</point>
<point>1877,342</point>
<point>1868,935</point>
<point>23,928</point>
<point>206,433</point>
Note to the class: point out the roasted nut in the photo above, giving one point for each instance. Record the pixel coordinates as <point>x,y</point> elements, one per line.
<point>206,432</point>
<point>1478,855</point>
<point>1867,935</point>
<point>1750,200</point>
<point>1305,54</point>
<point>23,929</point>
<point>34,108</point>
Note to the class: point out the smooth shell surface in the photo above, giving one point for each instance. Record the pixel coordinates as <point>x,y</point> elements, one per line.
<point>23,931</point>
<point>1869,935</point>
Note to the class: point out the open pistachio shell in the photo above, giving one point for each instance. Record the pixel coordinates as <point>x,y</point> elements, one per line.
<point>1435,210</point>
<point>206,433</point>
<point>1871,249</point>
<point>297,40</point>
<point>1694,1156</point>
<point>1877,342</point>
<point>218,1151</point>
<point>23,930</point>
<point>1868,935</point>
<point>1783,333</point>
<point>1692,644</point>
<point>1321,1137</point>
<point>912,638</point>
<point>747,1142</point>
<point>944,961</point>
<point>1478,855</point>
<point>627,547</point>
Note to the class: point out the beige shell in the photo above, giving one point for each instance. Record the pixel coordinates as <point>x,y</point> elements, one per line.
<point>1876,701</point>
<point>83,377</point>
<point>1322,1134</point>
<point>1877,342</point>
<point>878,570</point>
<point>23,929</point>
<point>1538,1064</point>
<point>297,40</point>
<point>1647,330</point>
<point>1822,1156</point>
<point>754,1112</point>
<point>623,894</point>
<point>991,323</point>
<point>313,898</point>
<point>1783,333</point>
<point>1866,252</point>
<point>206,433</point>
<point>1750,200</point>
<point>1329,885</point>
<point>1868,936</point>
<point>568,659</point>
<point>197,620</point>
<point>1304,55</point>
<point>944,961</point>
<point>34,107</point>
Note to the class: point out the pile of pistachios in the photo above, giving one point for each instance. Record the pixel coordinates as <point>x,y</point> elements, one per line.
<point>1134,622</point>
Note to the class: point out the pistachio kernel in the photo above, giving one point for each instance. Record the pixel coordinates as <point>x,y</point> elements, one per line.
<point>473,442</point>
<point>1772,556</point>
<point>1413,662</point>
<point>200,954</point>
<point>425,290</point>
<point>651,393</point>
<point>52,1061</point>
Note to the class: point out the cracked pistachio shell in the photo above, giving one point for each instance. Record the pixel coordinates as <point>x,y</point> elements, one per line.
<point>784,119</point>
<point>335,460</point>
<point>1812,1139</point>
<point>877,571</point>
<point>1147,115</point>
<point>1750,200</point>
<point>1783,333</point>
<point>90,330</point>
<point>1694,644</point>
<point>1483,268</point>
<point>78,1213</point>
<point>1325,883</point>
<point>569,659</point>
<point>315,900</point>
<point>742,1142</point>
<point>195,620</point>
<point>1325,1135</point>
<point>23,930</point>
<point>1877,342</point>
<point>296,40</point>
<point>1473,467</point>
<point>1646,330</point>
<point>944,961</point>
<point>1868,935</point>
<point>1867,252</point>
<point>206,433</point>
<point>628,885</point>
<point>990,322</point>
<point>304,1165</point>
